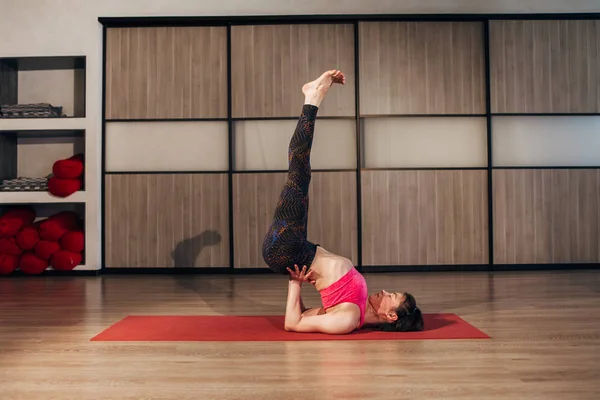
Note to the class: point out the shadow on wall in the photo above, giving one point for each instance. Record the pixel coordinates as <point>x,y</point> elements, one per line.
<point>187,251</point>
<point>218,293</point>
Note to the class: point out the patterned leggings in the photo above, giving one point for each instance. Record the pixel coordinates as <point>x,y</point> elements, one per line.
<point>285,243</point>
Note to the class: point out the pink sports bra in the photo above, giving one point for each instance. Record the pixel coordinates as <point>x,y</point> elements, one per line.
<point>350,288</point>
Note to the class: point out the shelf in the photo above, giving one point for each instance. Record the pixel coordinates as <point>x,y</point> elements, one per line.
<point>58,81</point>
<point>33,154</point>
<point>45,63</point>
<point>41,124</point>
<point>39,197</point>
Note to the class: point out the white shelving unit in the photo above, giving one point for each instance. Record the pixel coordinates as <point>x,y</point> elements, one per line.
<point>30,146</point>
<point>39,198</point>
<point>42,124</point>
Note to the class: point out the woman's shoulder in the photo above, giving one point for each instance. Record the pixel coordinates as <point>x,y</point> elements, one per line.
<point>346,310</point>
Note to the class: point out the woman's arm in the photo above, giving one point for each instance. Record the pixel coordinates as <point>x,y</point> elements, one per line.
<point>302,306</point>
<point>293,308</point>
<point>295,321</point>
<point>310,311</point>
<point>338,323</point>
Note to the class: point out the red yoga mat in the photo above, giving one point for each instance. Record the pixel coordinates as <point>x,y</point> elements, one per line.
<point>266,329</point>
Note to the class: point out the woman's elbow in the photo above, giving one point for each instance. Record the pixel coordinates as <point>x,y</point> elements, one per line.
<point>289,327</point>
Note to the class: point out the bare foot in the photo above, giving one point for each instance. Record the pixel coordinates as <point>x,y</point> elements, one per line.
<point>314,92</point>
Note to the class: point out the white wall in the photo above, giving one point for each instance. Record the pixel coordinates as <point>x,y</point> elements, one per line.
<point>70,27</point>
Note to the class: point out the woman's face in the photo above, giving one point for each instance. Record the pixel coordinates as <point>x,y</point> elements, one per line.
<point>385,304</point>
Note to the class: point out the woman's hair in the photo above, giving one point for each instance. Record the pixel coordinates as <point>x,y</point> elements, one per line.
<point>410,318</point>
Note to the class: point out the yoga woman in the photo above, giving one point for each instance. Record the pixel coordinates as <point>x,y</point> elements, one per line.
<point>346,303</point>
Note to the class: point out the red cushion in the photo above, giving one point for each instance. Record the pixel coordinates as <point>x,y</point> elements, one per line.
<point>73,241</point>
<point>9,246</point>
<point>64,260</point>
<point>68,219</point>
<point>46,249</point>
<point>15,219</point>
<point>22,212</point>
<point>28,237</point>
<point>31,264</point>
<point>70,168</point>
<point>63,187</point>
<point>55,227</point>
<point>8,263</point>
<point>10,227</point>
<point>52,230</point>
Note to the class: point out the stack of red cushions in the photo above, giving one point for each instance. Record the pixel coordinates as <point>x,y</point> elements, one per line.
<point>57,241</point>
<point>68,176</point>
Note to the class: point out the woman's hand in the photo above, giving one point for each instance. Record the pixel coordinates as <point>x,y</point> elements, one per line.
<point>301,275</point>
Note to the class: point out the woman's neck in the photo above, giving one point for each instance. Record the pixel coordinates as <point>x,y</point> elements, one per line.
<point>371,317</point>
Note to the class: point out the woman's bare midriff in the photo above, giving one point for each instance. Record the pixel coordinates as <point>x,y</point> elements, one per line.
<point>329,268</point>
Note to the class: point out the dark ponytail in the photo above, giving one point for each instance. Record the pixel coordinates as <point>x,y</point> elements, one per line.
<point>410,318</point>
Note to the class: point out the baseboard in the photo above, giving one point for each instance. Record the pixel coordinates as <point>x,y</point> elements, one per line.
<point>52,272</point>
<point>424,268</point>
<point>375,269</point>
<point>479,268</point>
<point>365,269</point>
<point>185,271</point>
<point>546,267</point>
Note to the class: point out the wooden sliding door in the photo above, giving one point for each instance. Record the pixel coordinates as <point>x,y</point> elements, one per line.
<point>424,186</point>
<point>270,64</point>
<point>166,198</point>
<point>545,90</point>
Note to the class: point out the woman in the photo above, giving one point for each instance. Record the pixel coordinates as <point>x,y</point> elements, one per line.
<point>346,303</point>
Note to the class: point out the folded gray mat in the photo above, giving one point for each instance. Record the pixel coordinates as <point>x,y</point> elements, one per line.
<point>24,185</point>
<point>37,110</point>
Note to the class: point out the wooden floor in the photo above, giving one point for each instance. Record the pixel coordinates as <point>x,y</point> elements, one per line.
<point>545,328</point>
